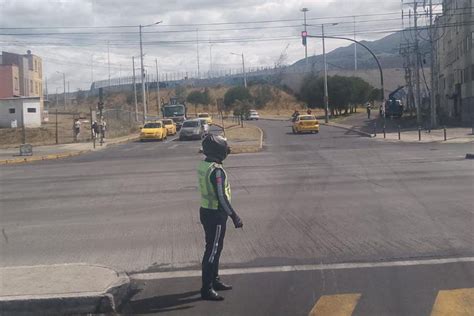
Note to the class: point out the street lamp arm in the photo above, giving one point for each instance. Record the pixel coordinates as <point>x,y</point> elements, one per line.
<point>368,49</point>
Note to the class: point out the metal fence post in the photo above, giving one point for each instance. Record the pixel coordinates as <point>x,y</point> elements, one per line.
<point>375,129</point>
<point>384,134</point>
<point>399,134</point>
<point>419,133</point>
<point>444,132</point>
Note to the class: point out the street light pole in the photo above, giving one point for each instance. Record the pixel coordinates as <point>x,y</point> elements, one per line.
<point>143,69</point>
<point>158,104</point>
<point>135,90</point>
<point>326,97</point>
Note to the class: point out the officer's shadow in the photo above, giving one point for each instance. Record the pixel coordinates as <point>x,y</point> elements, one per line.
<point>161,304</point>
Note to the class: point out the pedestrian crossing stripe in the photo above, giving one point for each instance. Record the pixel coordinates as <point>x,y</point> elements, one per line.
<point>456,302</point>
<point>335,305</point>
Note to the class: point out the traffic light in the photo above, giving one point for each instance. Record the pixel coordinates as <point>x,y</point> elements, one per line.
<point>303,37</point>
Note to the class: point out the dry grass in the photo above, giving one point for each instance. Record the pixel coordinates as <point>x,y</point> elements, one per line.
<point>243,134</point>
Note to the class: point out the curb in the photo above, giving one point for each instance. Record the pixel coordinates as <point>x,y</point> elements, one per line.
<point>347,128</point>
<point>61,155</point>
<point>40,158</point>
<point>107,301</point>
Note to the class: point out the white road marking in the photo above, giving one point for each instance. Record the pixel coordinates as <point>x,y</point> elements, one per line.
<point>173,146</point>
<point>292,268</point>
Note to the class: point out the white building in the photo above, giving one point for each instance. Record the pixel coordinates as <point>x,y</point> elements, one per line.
<point>16,111</point>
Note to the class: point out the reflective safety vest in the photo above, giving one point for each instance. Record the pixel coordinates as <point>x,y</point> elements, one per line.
<point>209,197</point>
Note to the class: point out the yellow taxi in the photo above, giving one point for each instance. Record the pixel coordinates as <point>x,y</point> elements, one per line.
<point>305,123</point>
<point>206,116</point>
<point>153,131</point>
<point>170,126</point>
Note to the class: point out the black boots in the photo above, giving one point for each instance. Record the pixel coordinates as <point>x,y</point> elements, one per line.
<point>218,285</point>
<point>211,295</point>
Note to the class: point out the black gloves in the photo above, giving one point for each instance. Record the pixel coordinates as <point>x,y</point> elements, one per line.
<point>237,220</point>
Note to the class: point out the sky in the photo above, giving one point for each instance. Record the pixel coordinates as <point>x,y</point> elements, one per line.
<point>76,37</point>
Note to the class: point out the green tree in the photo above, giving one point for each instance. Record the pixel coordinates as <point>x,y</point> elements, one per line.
<point>199,98</point>
<point>236,93</point>
<point>375,95</point>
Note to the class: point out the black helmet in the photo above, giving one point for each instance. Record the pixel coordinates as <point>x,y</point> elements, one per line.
<point>215,146</point>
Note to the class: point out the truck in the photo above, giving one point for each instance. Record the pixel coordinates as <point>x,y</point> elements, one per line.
<point>393,107</point>
<point>176,111</point>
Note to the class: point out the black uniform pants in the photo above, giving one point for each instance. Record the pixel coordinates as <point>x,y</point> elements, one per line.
<point>214,224</point>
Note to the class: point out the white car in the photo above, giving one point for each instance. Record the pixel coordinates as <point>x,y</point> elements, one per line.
<point>253,115</point>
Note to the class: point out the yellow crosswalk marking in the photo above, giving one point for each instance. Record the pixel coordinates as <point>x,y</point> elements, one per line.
<point>335,305</point>
<point>454,303</point>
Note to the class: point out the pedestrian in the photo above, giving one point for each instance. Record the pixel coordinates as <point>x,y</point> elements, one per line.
<point>94,129</point>
<point>215,209</point>
<point>308,112</point>
<point>295,115</point>
<point>103,128</point>
<point>77,129</point>
<point>368,110</point>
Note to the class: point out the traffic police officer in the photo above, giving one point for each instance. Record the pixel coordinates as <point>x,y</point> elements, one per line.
<point>215,208</point>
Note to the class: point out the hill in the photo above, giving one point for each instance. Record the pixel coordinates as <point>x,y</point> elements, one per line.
<point>386,49</point>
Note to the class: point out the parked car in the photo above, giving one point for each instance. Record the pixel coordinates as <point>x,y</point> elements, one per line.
<point>153,131</point>
<point>170,126</point>
<point>206,116</point>
<point>192,129</point>
<point>253,115</point>
<point>305,123</point>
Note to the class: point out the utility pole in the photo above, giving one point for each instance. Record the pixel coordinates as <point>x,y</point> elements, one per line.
<point>108,58</point>
<point>432,79</point>
<point>417,72</point>
<point>243,68</point>
<point>355,46</point>
<point>304,10</point>
<point>210,60</point>
<point>157,89</point>
<point>135,90</point>
<point>197,53</point>
<point>68,91</point>
<point>46,86</point>
<point>142,70</point>
<point>326,98</point>
<point>92,68</point>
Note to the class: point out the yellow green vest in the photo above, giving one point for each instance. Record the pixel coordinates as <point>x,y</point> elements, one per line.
<point>208,194</point>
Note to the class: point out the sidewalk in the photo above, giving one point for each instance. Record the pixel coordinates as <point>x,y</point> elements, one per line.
<point>61,289</point>
<point>408,130</point>
<point>11,155</point>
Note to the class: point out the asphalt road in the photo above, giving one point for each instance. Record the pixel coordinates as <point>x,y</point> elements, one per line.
<point>306,199</point>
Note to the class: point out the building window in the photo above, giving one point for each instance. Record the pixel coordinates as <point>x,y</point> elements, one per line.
<point>15,83</point>
<point>31,86</point>
<point>31,110</point>
<point>11,111</point>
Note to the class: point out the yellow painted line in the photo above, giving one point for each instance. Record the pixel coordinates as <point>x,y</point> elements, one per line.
<point>335,305</point>
<point>454,303</point>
